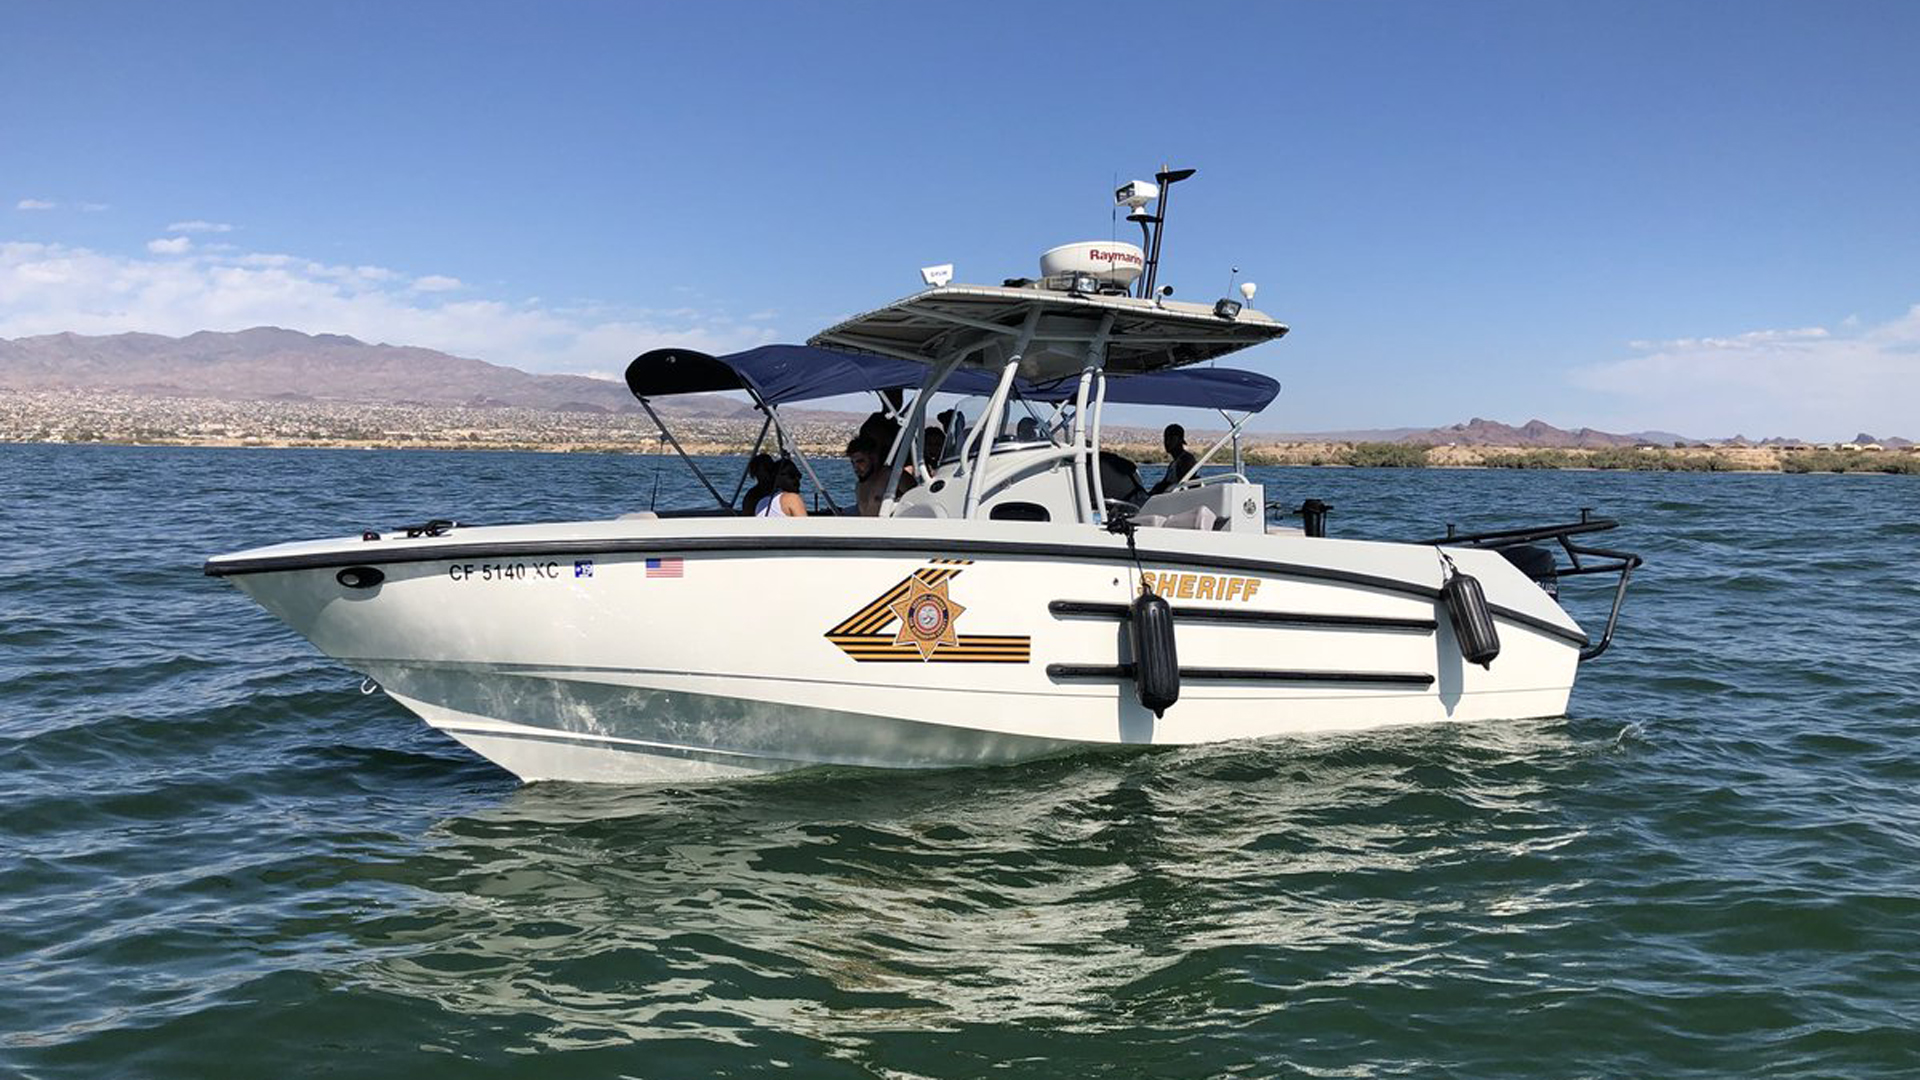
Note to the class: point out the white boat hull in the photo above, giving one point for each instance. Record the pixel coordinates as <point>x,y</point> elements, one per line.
<point>758,645</point>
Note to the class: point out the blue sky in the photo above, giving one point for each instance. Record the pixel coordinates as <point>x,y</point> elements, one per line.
<point>1690,216</point>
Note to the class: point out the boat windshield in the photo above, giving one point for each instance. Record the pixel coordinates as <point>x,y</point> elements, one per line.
<point>953,417</point>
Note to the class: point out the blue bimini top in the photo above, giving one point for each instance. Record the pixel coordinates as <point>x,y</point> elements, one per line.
<point>779,374</point>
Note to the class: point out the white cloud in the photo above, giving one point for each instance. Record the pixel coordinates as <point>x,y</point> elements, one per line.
<point>437,283</point>
<point>177,245</point>
<point>34,204</point>
<point>198,226</point>
<point>48,288</point>
<point>1811,382</point>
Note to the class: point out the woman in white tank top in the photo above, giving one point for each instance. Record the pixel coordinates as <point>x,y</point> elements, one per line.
<point>785,500</point>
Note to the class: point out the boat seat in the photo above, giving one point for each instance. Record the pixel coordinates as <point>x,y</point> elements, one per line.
<point>1199,518</point>
<point>921,510</point>
<point>639,515</point>
<point>1230,504</point>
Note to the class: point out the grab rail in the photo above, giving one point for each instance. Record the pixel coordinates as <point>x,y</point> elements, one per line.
<point>1623,563</point>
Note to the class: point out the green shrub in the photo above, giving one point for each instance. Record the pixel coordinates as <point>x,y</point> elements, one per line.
<point>1657,461</point>
<point>1533,459</point>
<point>1842,461</point>
<point>1387,455</point>
<point>1635,459</point>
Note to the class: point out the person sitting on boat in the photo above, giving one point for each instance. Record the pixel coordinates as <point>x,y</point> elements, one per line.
<point>785,501</point>
<point>881,426</point>
<point>936,447</point>
<point>760,471</point>
<point>1027,430</point>
<point>954,423</point>
<point>869,480</point>
<point>1175,440</point>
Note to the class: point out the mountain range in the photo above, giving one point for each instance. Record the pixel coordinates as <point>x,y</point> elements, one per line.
<point>273,364</point>
<point>1478,432</point>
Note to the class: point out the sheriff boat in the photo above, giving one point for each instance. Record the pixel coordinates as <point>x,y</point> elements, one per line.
<point>1021,593</point>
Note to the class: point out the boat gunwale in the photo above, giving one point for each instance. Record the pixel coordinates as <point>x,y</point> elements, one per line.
<point>231,566</point>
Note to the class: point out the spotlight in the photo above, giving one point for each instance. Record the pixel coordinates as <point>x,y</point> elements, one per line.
<point>1227,309</point>
<point>1135,194</point>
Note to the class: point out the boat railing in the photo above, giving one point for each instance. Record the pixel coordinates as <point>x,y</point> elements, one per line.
<point>1232,436</point>
<point>1193,481</point>
<point>1519,546</point>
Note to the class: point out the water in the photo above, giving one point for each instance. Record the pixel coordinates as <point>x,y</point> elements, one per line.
<point>218,858</point>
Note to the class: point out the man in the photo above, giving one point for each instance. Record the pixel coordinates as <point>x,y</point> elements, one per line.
<point>1182,460</point>
<point>954,423</point>
<point>869,480</point>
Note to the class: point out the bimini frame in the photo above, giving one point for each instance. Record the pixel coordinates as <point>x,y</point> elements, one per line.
<point>975,457</point>
<point>788,447</point>
<point>1082,444</point>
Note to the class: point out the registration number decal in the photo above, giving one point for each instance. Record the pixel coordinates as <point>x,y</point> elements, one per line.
<point>505,571</point>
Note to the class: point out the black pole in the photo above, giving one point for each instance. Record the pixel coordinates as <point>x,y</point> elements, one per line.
<point>1153,259</point>
<point>1166,178</point>
<point>1146,244</point>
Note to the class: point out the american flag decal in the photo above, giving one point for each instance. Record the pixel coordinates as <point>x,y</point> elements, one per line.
<point>666,568</point>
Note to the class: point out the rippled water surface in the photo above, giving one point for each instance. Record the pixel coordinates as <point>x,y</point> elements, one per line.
<point>218,858</point>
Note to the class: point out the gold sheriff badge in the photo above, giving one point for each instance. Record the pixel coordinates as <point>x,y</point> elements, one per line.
<point>926,615</point>
<point>913,623</point>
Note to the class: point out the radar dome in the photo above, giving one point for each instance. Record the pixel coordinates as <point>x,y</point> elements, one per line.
<point>1107,260</point>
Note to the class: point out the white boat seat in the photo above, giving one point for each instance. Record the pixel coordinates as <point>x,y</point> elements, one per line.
<point>922,510</point>
<point>639,515</point>
<point>1232,505</point>
<point>1199,518</point>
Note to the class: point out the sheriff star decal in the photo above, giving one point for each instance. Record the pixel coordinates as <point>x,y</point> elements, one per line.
<point>926,617</point>
<point>915,622</point>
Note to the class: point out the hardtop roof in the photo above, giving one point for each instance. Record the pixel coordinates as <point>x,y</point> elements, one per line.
<point>981,323</point>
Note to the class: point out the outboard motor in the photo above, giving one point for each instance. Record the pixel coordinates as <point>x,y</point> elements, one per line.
<point>1538,564</point>
<point>1156,664</point>
<point>1471,617</point>
<point>1313,517</point>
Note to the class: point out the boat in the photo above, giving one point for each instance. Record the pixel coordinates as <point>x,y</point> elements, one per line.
<point>1020,592</point>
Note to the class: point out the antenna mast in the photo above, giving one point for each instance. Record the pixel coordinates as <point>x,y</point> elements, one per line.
<point>1166,178</point>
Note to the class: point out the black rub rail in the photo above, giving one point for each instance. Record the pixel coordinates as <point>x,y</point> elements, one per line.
<point>1093,610</point>
<point>1208,674</point>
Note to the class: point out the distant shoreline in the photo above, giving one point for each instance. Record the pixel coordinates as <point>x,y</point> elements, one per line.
<point>1743,460</point>
<point>140,420</point>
